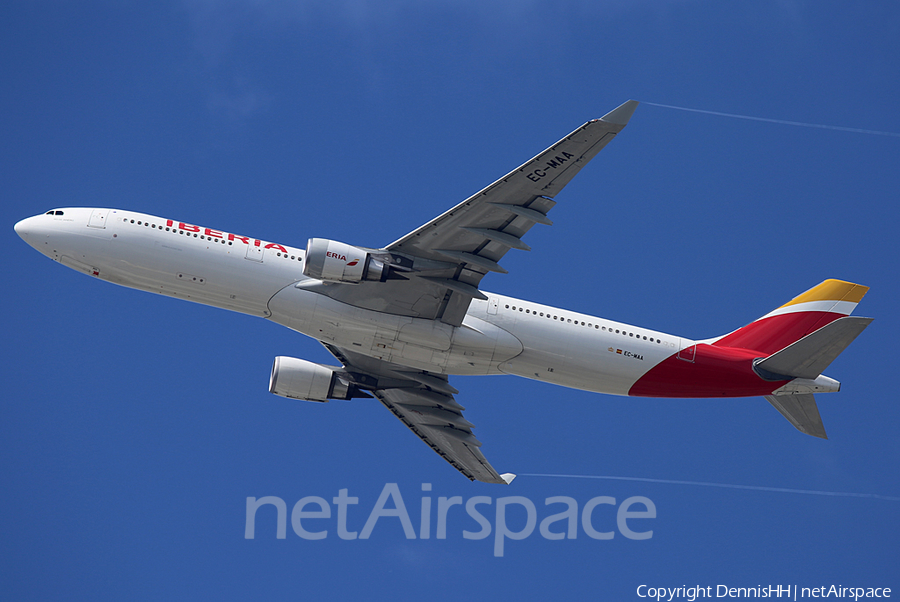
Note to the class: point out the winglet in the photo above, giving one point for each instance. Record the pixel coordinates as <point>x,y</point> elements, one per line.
<point>508,477</point>
<point>621,114</point>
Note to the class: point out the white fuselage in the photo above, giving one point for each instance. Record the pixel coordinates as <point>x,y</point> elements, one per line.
<point>501,335</point>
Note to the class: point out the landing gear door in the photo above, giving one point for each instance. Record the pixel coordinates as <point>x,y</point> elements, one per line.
<point>98,218</point>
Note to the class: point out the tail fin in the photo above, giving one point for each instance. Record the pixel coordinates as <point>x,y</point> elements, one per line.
<point>799,340</point>
<point>797,318</point>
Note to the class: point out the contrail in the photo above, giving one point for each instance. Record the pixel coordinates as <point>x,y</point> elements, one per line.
<point>781,121</point>
<point>874,496</point>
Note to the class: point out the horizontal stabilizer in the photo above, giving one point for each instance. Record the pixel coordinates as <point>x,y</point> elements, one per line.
<point>808,357</point>
<point>801,411</point>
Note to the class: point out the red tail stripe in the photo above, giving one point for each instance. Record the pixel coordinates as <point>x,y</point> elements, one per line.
<point>768,335</point>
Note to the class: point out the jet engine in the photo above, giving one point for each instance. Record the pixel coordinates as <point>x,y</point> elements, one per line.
<point>334,261</point>
<point>300,379</point>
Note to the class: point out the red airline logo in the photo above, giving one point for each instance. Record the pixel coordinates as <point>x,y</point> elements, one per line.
<point>230,237</point>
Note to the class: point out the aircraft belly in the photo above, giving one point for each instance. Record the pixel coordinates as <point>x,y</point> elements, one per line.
<point>578,368</point>
<point>422,344</point>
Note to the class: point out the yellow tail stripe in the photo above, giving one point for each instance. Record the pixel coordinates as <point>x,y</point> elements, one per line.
<point>831,290</point>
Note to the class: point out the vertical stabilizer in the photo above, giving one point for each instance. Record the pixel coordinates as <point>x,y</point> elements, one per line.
<point>797,318</point>
<point>800,339</point>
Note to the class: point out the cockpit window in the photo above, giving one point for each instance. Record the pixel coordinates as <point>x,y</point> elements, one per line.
<point>57,212</point>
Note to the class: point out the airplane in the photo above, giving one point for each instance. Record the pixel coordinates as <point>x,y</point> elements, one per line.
<point>404,318</point>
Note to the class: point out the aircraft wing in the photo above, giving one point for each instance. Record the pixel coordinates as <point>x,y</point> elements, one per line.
<point>492,221</point>
<point>478,232</point>
<point>452,253</point>
<point>424,402</point>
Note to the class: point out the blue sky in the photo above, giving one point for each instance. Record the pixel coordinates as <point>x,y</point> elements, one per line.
<point>135,427</point>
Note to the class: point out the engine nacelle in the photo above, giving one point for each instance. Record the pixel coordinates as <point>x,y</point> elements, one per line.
<point>334,261</point>
<point>300,379</point>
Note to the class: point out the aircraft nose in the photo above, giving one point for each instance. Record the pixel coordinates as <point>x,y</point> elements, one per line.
<point>29,229</point>
<point>22,227</point>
